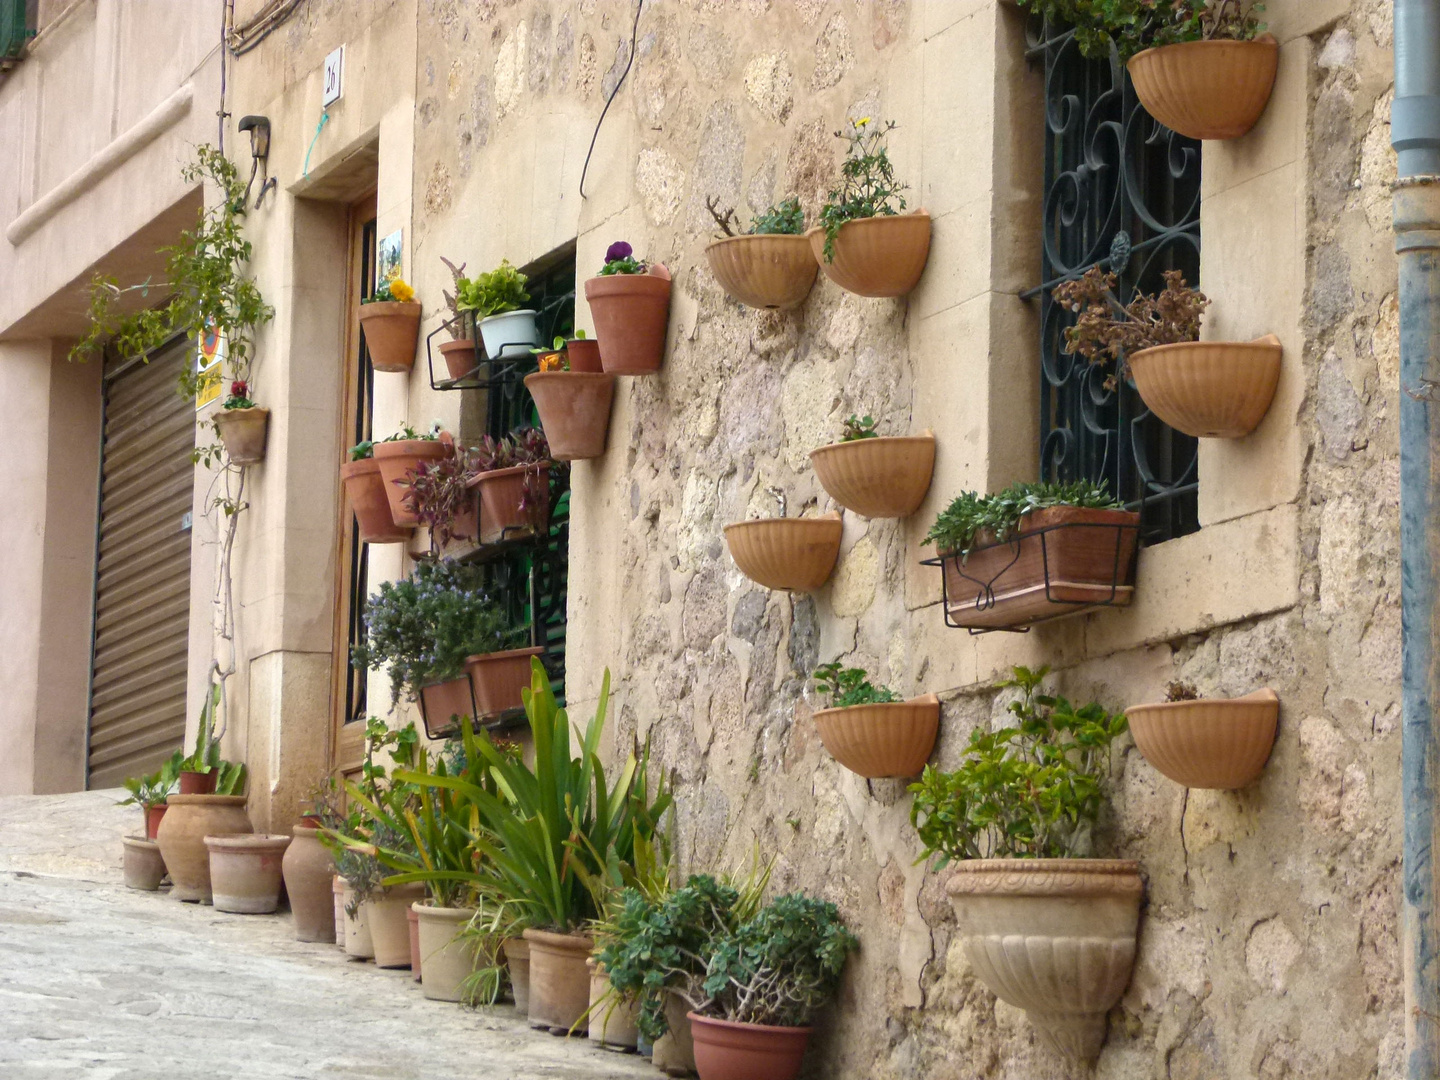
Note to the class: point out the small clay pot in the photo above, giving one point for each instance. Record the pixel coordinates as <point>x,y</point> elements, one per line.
<point>365,488</point>
<point>445,705</point>
<point>144,868</point>
<point>613,1022</point>
<point>198,783</point>
<point>517,959</point>
<point>391,330</point>
<point>308,869</point>
<point>412,919</point>
<point>786,553</point>
<point>767,270</point>
<point>725,1050</point>
<point>1217,744</point>
<point>584,356</point>
<point>245,872</point>
<point>153,814</point>
<point>574,410</point>
<point>459,357</point>
<point>389,926</point>
<point>398,461</point>
<point>892,739</point>
<point>358,942</point>
<point>501,493</point>
<point>1209,389</point>
<point>446,960</point>
<point>631,313</point>
<point>1207,89</point>
<point>876,256</point>
<point>877,478</point>
<point>243,433</point>
<point>187,822</point>
<point>499,677</point>
<point>559,981</point>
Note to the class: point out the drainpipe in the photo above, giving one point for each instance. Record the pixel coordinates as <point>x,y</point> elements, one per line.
<point>1415,134</point>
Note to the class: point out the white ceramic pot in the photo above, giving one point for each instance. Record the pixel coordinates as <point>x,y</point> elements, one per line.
<point>511,334</point>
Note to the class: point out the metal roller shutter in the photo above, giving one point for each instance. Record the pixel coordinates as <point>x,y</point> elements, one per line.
<point>142,574</point>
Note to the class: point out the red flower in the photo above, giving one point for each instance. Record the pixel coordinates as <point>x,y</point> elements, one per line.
<point>240,388</point>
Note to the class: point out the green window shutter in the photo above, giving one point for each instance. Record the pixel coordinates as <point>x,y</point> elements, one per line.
<point>15,29</point>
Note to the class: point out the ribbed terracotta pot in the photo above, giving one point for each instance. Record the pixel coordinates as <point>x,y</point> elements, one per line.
<point>444,704</point>
<point>389,927</point>
<point>877,256</point>
<point>631,314</point>
<point>786,553</point>
<point>499,677</point>
<point>245,872</point>
<point>1216,743</point>
<point>187,822</point>
<point>358,942</point>
<point>517,959</point>
<point>613,1022</point>
<point>584,356</point>
<point>1209,389</point>
<point>446,960</point>
<point>674,1052</point>
<point>1207,89</point>
<point>768,270</point>
<point>501,493</point>
<point>243,433</point>
<point>397,461</point>
<point>559,981</point>
<point>412,920</point>
<point>459,357</point>
<point>365,488</point>
<point>574,408</point>
<point>877,478</point>
<point>144,868</point>
<point>153,815</point>
<point>725,1050</point>
<point>391,330</point>
<point>309,869</point>
<point>1055,937</point>
<point>891,739</point>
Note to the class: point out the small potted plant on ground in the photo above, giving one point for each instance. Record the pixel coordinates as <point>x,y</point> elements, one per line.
<point>868,728</point>
<point>150,792</point>
<point>783,552</point>
<point>1217,743</point>
<point>399,456</point>
<point>630,303</point>
<point>512,476</point>
<point>864,243</point>
<point>495,299</point>
<point>390,320</point>
<point>771,265</point>
<point>875,476</point>
<point>574,404</point>
<point>241,425</point>
<point>370,498</point>
<point>1047,928</point>
<point>1209,389</point>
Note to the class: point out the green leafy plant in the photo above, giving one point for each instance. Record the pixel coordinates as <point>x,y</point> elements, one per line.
<point>785,218</point>
<point>1031,790</point>
<point>973,519</point>
<point>378,803</point>
<point>1134,25</point>
<point>859,427</point>
<point>850,686</point>
<point>153,788</point>
<point>868,187</point>
<point>493,292</point>
<point>362,450</point>
<point>205,757</point>
<point>437,493</point>
<point>1104,330</point>
<point>620,259</point>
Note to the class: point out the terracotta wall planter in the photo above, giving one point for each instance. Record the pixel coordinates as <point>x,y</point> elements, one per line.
<point>398,461</point>
<point>501,491</point>
<point>768,270</point>
<point>1089,555</point>
<point>559,981</point>
<point>245,872</point>
<point>389,927</point>
<point>369,501</point>
<point>459,357</point>
<point>153,814</point>
<point>892,739</point>
<point>144,868</point>
<point>243,433</point>
<point>412,920</point>
<point>877,478</point>
<point>308,869</point>
<point>1220,744</point>
<point>786,553</point>
<point>1055,937</point>
<point>499,677</point>
<point>391,331</point>
<point>358,942</point>
<point>574,408</point>
<point>1209,389</point>
<point>878,256</point>
<point>444,704</point>
<point>612,1022</point>
<point>187,822</point>
<point>1207,89</point>
<point>446,960</point>
<point>509,334</point>
<point>631,314</point>
<point>725,1050</point>
<point>517,959</point>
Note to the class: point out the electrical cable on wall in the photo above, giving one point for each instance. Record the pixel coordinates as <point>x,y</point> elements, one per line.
<point>634,31</point>
<point>324,119</point>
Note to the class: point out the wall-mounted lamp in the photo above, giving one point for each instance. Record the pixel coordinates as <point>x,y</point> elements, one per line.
<point>259,129</point>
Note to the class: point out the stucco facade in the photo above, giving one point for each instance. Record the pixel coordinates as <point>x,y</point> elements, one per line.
<point>1269,944</point>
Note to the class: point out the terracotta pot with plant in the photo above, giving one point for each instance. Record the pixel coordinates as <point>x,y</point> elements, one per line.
<point>771,265</point>
<point>1047,928</point>
<point>868,728</point>
<point>496,299</point>
<point>369,500</point>
<point>1216,743</point>
<point>873,475</point>
<point>182,839</point>
<point>630,304</point>
<point>399,457</point>
<point>440,497</point>
<point>865,243</point>
<point>574,404</point>
<point>459,352</point>
<point>390,320</point>
<point>517,960</point>
<point>149,792</point>
<point>241,425</point>
<point>245,872</point>
<point>511,475</point>
<point>786,553</point>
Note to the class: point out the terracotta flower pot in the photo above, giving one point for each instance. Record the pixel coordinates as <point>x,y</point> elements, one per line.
<point>574,410</point>
<point>365,488</point>
<point>459,357</point>
<point>614,1022</point>
<point>245,872</point>
<point>499,677</point>
<point>358,942</point>
<point>1089,556</point>
<point>1217,743</point>
<point>517,959</point>
<point>559,982</point>
<point>674,1052</point>
<point>501,493</point>
<point>153,814</point>
<point>398,461</point>
<point>766,270</point>
<point>892,739</point>
<point>1207,89</point>
<point>631,313</point>
<point>786,553</point>
<point>1209,389</point>
<point>725,1050</point>
<point>877,256</point>
<point>243,433</point>
<point>198,783</point>
<point>877,478</point>
<point>187,822</point>
<point>391,330</point>
<point>509,334</point>
<point>584,356</point>
<point>389,927</point>
<point>412,920</point>
<point>1055,937</point>
<point>144,868</point>
<point>309,869</point>
<point>446,960</point>
<point>446,704</point>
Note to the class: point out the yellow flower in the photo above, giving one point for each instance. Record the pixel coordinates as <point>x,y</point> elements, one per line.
<point>401,292</point>
<point>862,121</point>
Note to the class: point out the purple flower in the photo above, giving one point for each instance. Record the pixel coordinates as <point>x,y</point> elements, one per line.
<point>618,250</point>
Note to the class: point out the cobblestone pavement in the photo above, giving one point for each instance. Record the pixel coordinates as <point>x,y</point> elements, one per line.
<point>104,983</point>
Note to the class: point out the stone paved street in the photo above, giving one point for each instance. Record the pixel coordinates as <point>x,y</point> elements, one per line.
<point>105,983</point>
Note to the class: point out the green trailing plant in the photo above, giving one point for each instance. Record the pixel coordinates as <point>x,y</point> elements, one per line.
<point>973,519</point>
<point>1134,25</point>
<point>850,686</point>
<point>1106,331</point>
<point>785,218</point>
<point>868,187</point>
<point>859,427</point>
<point>493,292</point>
<point>1032,790</point>
<point>153,788</point>
<point>620,259</point>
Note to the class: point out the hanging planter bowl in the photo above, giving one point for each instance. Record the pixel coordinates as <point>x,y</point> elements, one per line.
<point>769,270</point>
<point>243,433</point>
<point>786,553</point>
<point>1218,744</point>
<point>877,478</point>
<point>398,461</point>
<point>391,331</point>
<point>631,313</point>
<point>574,409</point>
<point>876,256</point>
<point>1207,89</point>
<point>1209,389</point>
<point>365,488</point>
<point>1055,937</point>
<point>726,1050</point>
<point>505,509</point>
<point>891,739</point>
